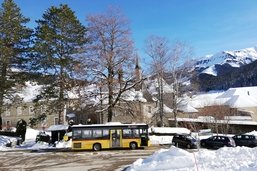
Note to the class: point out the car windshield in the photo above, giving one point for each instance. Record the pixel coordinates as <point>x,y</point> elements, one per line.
<point>190,137</point>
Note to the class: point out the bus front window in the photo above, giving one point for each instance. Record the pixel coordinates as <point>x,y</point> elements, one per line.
<point>76,134</point>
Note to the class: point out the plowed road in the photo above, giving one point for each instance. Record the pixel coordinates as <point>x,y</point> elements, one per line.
<point>72,161</point>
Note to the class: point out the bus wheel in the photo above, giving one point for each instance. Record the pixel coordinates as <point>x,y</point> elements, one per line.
<point>133,145</point>
<point>97,147</point>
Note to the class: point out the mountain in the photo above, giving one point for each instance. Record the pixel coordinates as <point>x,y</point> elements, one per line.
<point>223,61</point>
<point>226,69</point>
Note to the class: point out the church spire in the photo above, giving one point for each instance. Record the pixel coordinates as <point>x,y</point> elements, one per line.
<point>138,73</point>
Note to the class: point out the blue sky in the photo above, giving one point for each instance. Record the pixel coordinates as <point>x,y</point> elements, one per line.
<point>209,26</point>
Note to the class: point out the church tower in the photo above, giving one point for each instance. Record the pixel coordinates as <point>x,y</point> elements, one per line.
<point>138,74</point>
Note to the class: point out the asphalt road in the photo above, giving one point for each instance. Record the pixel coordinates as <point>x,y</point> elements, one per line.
<point>108,160</point>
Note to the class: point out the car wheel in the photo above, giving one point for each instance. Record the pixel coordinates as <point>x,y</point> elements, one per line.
<point>203,144</point>
<point>188,146</point>
<point>97,147</point>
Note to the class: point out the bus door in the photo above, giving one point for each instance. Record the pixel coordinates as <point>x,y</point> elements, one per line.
<point>115,135</point>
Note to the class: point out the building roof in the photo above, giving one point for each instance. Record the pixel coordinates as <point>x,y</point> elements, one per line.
<point>240,97</point>
<point>211,120</point>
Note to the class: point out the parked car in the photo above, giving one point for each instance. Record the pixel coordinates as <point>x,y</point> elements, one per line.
<point>184,141</point>
<point>245,140</point>
<point>215,142</point>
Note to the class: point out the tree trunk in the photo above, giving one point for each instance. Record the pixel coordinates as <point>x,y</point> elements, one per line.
<point>2,90</point>
<point>110,97</point>
<point>61,99</point>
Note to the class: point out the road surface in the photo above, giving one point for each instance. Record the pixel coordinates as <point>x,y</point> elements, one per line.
<point>108,160</point>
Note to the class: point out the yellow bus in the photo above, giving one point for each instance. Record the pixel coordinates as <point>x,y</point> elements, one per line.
<point>106,136</point>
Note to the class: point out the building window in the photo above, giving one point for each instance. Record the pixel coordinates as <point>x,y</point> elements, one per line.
<point>7,112</point>
<point>19,110</point>
<point>149,109</point>
<point>56,121</point>
<point>31,110</point>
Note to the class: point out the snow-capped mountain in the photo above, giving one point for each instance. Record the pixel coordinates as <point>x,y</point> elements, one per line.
<point>235,59</point>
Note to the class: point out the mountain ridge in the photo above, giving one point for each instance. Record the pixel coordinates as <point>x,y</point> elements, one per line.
<point>226,69</point>
<point>235,59</point>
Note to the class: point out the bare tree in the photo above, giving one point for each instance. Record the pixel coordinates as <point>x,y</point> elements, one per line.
<point>168,62</point>
<point>218,117</point>
<point>179,67</point>
<point>110,56</point>
<point>158,50</point>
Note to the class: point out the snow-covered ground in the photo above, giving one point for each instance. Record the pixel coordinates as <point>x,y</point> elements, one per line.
<point>29,142</point>
<point>175,159</point>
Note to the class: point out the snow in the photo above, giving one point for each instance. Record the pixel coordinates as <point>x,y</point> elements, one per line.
<point>240,97</point>
<point>164,135</point>
<point>210,70</point>
<point>211,119</point>
<point>57,127</point>
<point>166,109</point>
<point>175,159</point>
<point>28,93</point>
<point>29,143</point>
<point>157,140</point>
<point>205,99</point>
<point>169,130</point>
<point>132,95</point>
<point>186,107</point>
<point>233,58</point>
<point>152,86</point>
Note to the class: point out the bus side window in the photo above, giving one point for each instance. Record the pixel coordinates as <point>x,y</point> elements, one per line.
<point>87,134</point>
<point>106,133</point>
<point>76,134</point>
<point>97,133</point>
<point>135,133</point>
<point>126,133</point>
<point>143,132</point>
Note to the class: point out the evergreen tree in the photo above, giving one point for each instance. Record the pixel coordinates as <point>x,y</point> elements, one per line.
<point>14,48</point>
<point>59,39</point>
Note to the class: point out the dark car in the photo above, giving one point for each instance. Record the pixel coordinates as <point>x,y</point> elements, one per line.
<point>215,142</point>
<point>245,140</point>
<point>184,141</point>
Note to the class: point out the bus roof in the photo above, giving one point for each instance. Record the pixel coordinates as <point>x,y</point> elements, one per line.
<point>109,124</point>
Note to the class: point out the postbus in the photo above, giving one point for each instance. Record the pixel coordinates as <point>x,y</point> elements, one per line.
<point>107,136</point>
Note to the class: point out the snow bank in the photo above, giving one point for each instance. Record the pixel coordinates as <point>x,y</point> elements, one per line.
<point>31,134</point>
<point>4,140</point>
<point>175,159</point>
<point>155,140</point>
<point>164,159</point>
<point>169,130</point>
